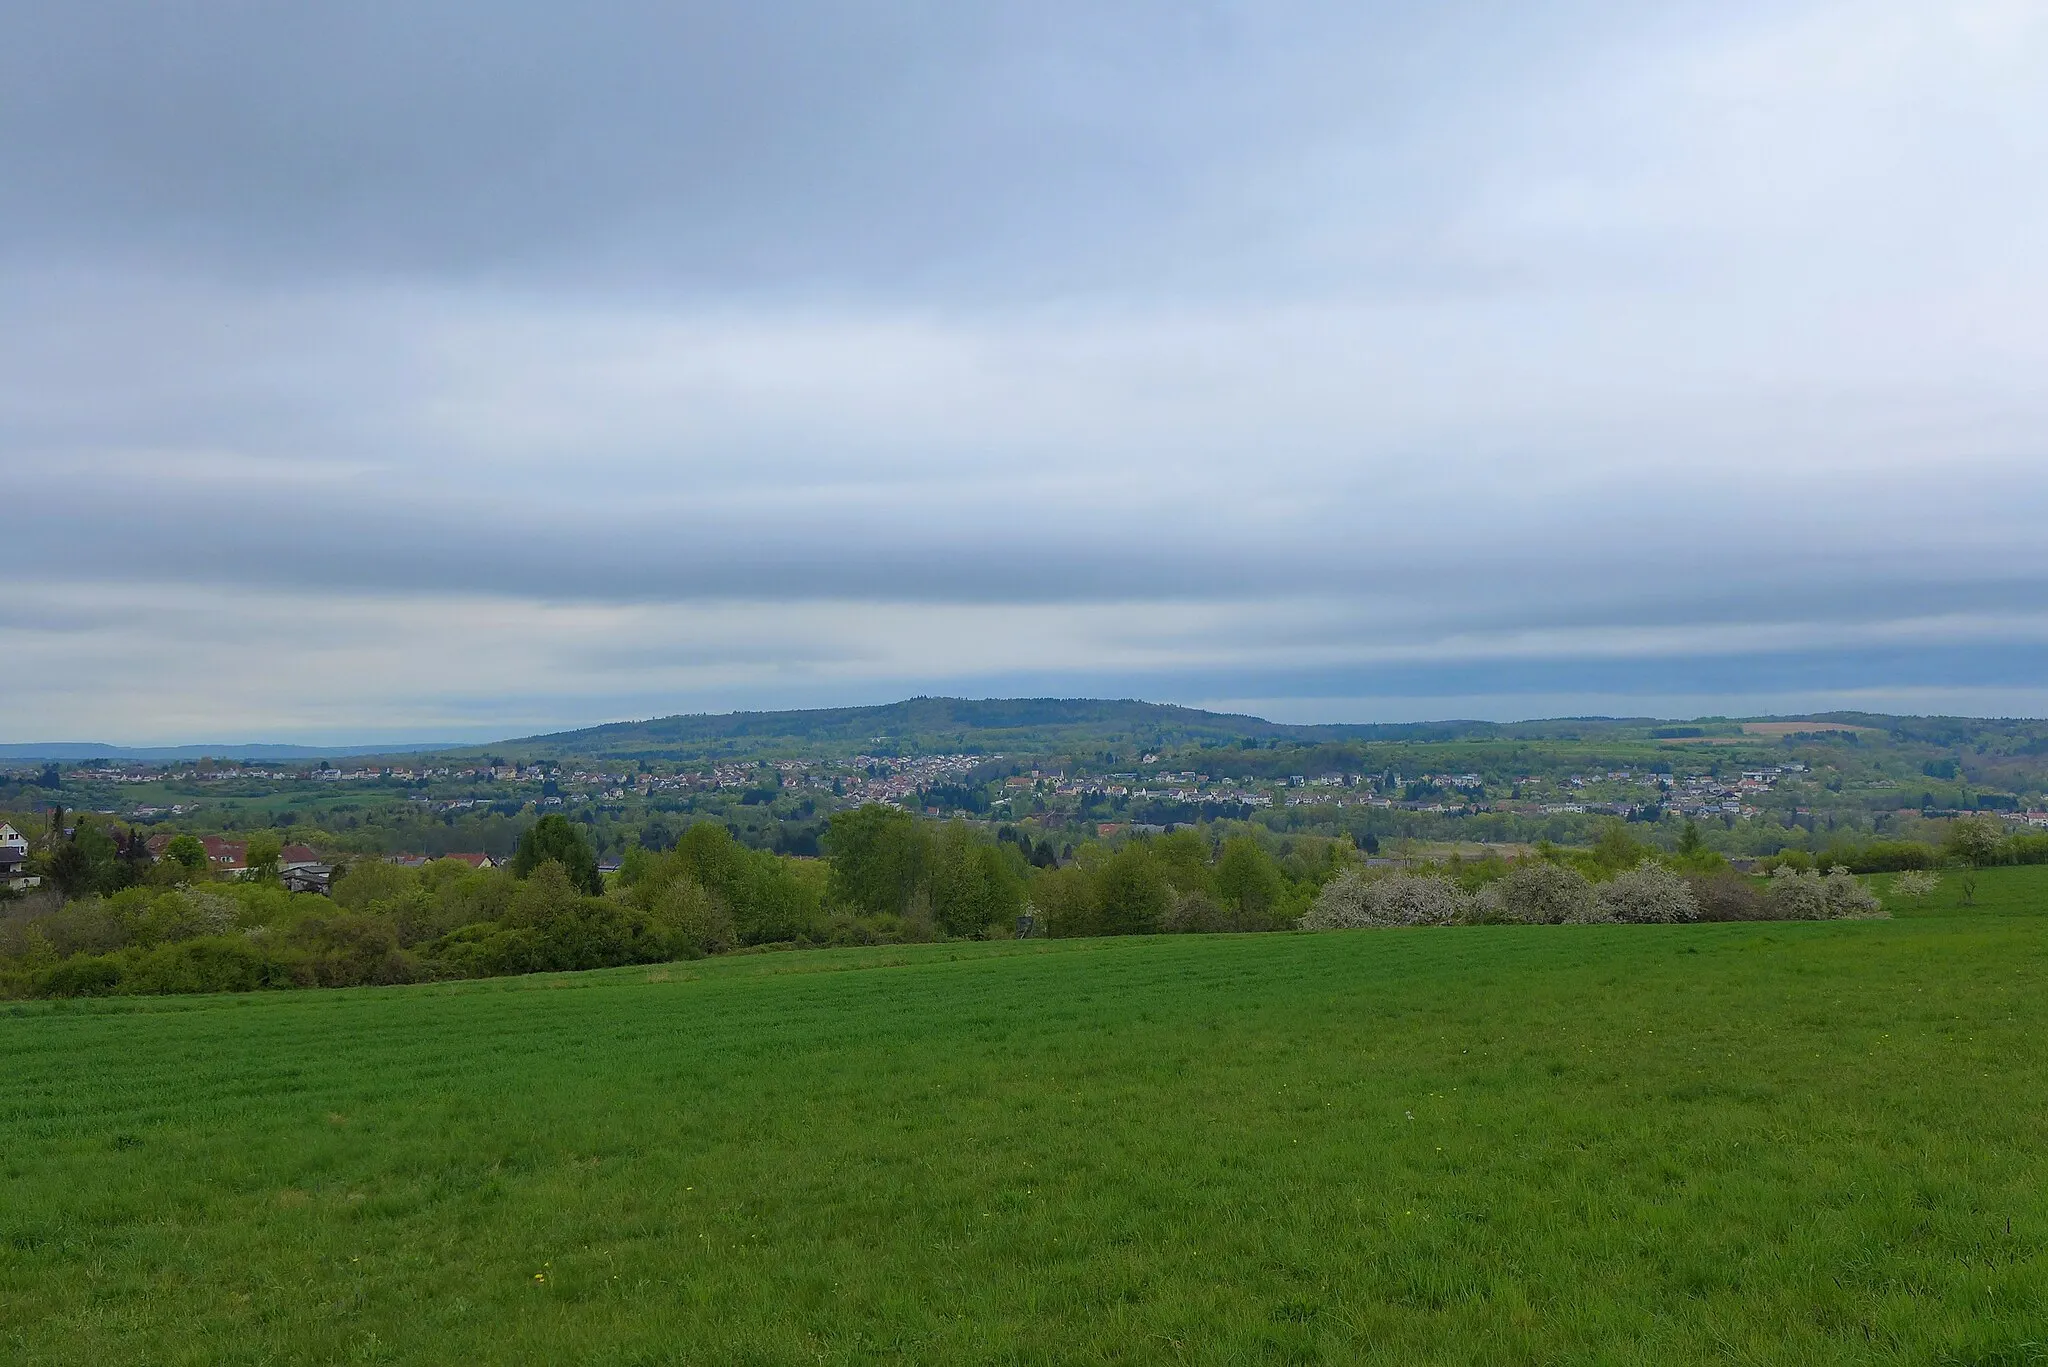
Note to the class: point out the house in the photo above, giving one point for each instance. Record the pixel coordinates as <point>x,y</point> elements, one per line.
<point>14,858</point>
<point>314,878</point>
<point>420,861</point>
<point>227,858</point>
<point>296,857</point>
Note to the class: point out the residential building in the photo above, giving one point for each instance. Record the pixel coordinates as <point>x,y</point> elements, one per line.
<point>14,859</point>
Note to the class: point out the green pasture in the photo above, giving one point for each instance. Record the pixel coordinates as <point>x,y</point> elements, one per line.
<point>1745,1143</point>
<point>2009,890</point>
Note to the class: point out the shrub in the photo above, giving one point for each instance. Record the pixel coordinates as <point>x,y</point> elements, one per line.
<point>766,900</point>
<point>1804,895</point>
<point>1728,896</point>
<point>1915,884</point>
<point>1796,894</point>
<point>226,963</point>
<point>1131,893</point>
<point>1847,898</point>
<point>1063,900</point>
<point>692,921</point>
<point>86,976</point>
<point>1650,894</point>
<point>1196,912</point>
<point>555,839</point>
<point>1248,882</point>
<point>973,885</point>
<point>486,951</point>
<point>1538,892</point>
<point>349,950</point>
<point>1893,856</point>
<point>1354,901</point>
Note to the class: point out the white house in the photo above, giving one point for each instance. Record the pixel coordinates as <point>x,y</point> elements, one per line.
<point>13,856</point>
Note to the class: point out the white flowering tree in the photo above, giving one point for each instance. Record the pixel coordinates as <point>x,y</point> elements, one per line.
<point>1915,884</point>
<point>1537,892</point>
<point>1649,893</point>
<point>1356,900</point>
<point>1804,895</point>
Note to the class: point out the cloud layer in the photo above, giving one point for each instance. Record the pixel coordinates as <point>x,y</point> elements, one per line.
<point>456,369</point>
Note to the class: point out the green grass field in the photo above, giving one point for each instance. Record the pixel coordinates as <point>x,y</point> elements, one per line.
<point>1733,1143</point>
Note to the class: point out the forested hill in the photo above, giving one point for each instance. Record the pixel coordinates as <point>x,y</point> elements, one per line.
<point>917,725</point>
<point>945,725</point>
<point>1082,726</point>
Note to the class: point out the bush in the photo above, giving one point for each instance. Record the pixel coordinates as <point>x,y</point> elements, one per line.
<point>767,902</point>
<point>555,839</point>
<point>1915,884</point>
<point>1248,882</point>
<point>1804,895</point>
<point>1648,894</point>
<point>1538,892</point>
<point>1893,856</point>
<point>1131,893</point>
<point>1355,900</point>
<point>692,921</point>
<point>1198,913</point>
<point>85,976</point>
<point>1729,896</point>
<point>1848,899</point>
<point>488,951</point>
<point>972,882</point>
<point>570,931</point>
<point>2027,849</point>
<point>1063,900</point>
<point>372,880</point>
<point>350,950</point>
<point>1194,913</point>
<point>226,963</point>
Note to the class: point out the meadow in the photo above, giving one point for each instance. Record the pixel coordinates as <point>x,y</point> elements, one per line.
<point>1748,1143</point>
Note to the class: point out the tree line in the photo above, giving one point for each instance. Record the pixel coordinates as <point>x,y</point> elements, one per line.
<point>125,924</point>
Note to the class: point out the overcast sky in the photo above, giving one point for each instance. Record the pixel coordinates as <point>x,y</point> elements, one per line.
<point>440,370</point>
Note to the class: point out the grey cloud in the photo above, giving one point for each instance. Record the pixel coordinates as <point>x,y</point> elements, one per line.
<point>1287,330</point>
<point>723,146</point>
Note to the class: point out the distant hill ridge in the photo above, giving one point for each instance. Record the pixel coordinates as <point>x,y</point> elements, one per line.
<point>997,724</point>
<point>929,724</point>
<point>75,751</point>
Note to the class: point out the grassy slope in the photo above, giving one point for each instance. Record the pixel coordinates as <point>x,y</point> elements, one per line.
<point>1784,1144</point>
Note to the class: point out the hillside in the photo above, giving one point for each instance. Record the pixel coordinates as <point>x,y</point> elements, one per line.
<point>1783,1144</point>
<point>951,725</point>
<point>913,726</point>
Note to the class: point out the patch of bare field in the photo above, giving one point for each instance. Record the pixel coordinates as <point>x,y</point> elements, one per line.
<point>1795,728</point>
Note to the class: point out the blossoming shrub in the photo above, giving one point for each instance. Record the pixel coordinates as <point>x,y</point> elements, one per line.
<point>1915,884</point>
<point>1537,892</point>
<point>1848,899</point>
<point>1354,900</point>
<point>1649,893</point>
<point>1804,895</point>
